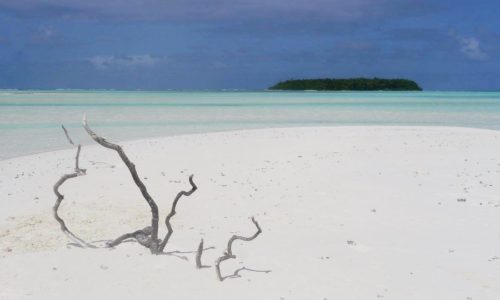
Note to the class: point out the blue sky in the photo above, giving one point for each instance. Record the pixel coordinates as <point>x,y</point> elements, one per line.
<point>194,44</point>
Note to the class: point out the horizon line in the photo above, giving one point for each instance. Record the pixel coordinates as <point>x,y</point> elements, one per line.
<point>228,90</point>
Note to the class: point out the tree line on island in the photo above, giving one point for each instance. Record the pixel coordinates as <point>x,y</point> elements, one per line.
<point>348,84</point>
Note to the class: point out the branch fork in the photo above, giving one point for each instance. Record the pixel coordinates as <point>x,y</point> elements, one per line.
<point>148,236</point>
<point>228,254</point>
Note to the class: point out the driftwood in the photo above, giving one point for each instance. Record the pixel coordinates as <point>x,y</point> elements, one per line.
<point>172,212</point>
<point>60,197</point>
<point>141,236</point>
<point>237,272</point>
<point>199,253</point>
<point>131,167</point>
<point>229,251</point>
<point>147,237</point>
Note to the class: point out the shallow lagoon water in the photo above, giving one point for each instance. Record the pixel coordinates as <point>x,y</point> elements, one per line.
<point>30,120</point>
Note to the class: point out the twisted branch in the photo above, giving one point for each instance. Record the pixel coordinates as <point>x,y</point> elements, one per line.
<point>229,251</point>
<point>60,197</point>
<point>141,236</point>
<point>131,167</point>
<point>172,213</point>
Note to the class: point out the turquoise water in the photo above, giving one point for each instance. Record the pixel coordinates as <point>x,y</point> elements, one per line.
<point>30,120</point>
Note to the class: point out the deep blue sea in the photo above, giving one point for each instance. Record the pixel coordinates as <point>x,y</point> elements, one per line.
<point>30,120</point>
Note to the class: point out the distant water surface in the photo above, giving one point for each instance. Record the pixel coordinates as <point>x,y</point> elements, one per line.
<point>30,120</point>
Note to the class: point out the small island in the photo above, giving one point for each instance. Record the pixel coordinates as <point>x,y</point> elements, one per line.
<point>348,84</point>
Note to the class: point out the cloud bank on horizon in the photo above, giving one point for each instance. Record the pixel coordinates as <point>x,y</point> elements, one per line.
<point>194,44</point>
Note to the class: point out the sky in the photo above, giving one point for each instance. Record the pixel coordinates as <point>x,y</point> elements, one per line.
<point>221,44</point>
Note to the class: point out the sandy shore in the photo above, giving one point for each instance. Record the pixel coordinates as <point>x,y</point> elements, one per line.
<point>346,213</point>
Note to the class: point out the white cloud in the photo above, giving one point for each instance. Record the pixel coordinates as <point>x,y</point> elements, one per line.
<point>471,47</point>
<point>46,32</point>
<point>105,62</point>
<point>46,35</point>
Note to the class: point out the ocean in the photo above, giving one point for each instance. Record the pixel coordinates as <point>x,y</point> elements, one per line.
<point>30,120</point>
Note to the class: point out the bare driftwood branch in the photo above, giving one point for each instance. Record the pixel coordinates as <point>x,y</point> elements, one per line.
<point>60,197</point>
<point>172,213</point>
<point>55,209</point>
<point>79,148</point>
<point>77,159</point>
<point>131,167</point>
<point>141,236</point>
<point>199,253</point>
<point>67,135</point>
<point>229,251</point>
<point>236,273</point>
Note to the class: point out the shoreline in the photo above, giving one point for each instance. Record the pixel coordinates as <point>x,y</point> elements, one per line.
<point>31,123</point>
<point>90,143</point>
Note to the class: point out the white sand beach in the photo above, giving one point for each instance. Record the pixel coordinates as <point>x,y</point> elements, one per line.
<point>346,213</point>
